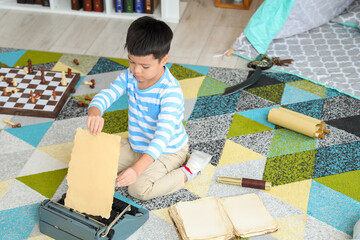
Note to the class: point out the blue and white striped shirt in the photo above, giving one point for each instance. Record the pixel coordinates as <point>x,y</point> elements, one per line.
<point>155,113</point>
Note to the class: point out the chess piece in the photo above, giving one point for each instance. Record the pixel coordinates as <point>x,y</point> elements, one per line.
<point>73,90</point>
<point>63,81</point>
<point>54,94</point>
<point>91,84</point>
<point>1,78</point>
<point>38,94</point>
<point>30,67</point>
<point>82,104</point>
<point>43,81</point>
<point>32,97</point>
<point>15,82</point>
<point>13,125</point>
<point>14,90</point>
<point>4,91</point>
<point>69,73</point>
<point>88,98</point>
<point>76,61</point>
<point>26,70</point>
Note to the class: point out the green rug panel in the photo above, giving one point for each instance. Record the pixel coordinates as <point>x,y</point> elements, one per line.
<point>290,168</point>
<point>116,121</point>
<point>270,92</point>
<point>38,58</point>
<point>180,72</point>
<point>45,183</point>
<point>124,62</point>
<point>243,126</point>
<point>310,87</point>
<point>347,183</point>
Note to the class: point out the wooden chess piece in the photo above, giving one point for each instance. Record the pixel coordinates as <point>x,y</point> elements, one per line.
<point>13,125</point>
<point>43,81</point>
<point>4,91</point>
<point>15,82</point>
<point>69,73</point>
<point>54,94</point>
<point>88,98</point>
<point>76,61</point>
<point>30,67</point>
<point>32,97</point>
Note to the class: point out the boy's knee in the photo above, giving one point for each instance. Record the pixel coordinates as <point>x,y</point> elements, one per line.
<point>139,191</point>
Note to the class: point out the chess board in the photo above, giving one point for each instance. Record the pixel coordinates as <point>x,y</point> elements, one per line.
<point>46,105</point>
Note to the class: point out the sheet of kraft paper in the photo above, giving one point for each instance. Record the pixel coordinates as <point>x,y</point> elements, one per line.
<point>92,173</point>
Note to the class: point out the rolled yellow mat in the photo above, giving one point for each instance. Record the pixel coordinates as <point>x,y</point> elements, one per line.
<point>297,122</point>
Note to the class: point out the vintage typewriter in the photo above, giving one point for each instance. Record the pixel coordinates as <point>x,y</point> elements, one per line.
<point>63,223</point>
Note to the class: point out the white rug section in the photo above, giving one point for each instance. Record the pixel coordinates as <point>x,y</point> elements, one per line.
<point>41,162</point>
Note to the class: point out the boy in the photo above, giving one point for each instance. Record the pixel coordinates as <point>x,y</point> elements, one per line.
<point>151,159</point>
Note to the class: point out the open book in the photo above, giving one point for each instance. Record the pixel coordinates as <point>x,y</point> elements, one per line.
<point>222,218</point>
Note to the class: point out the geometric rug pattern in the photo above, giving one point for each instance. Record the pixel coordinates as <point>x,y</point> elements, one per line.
<point>315,193</point>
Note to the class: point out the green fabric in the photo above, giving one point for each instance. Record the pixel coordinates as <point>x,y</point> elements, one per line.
<point>38,57</point>
<point>116,121</point>
<point>290,168</point>
<point>243,126</point>
<point>346,183</point>
<point>45,183</point>
<point>180,72</point>
<point>266,22</point>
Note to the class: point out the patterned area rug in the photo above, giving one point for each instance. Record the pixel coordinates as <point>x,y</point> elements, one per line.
<point>315,193</point>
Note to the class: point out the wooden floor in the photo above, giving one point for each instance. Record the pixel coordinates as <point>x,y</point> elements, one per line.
<point>203,31</point>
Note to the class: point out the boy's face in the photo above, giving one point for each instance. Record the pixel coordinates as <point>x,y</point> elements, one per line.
<point>146,69</point>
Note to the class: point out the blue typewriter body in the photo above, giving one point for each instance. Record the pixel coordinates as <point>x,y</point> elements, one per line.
<point>59,222</point>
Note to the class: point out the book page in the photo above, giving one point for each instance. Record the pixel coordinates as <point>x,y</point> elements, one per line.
<point>92,173</point>
<point>201,219</point>
<point>248,215</point>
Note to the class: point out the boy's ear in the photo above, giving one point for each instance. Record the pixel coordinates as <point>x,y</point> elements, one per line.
<point>164,59</point>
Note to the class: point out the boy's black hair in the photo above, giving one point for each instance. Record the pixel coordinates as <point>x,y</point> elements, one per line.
<point>146,36</point>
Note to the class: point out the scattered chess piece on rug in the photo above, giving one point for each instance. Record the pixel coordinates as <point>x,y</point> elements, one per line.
<point>82,104</point>
<point>91,83</point>
<point>13,125</point>
<point>76,61</point>
<point>88,98</point>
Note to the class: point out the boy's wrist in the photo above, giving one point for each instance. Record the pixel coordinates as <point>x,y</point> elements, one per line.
<point>94,111</point>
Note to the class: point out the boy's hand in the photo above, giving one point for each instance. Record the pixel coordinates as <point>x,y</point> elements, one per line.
<point>131,174</point>
<point>126,177</point>
<point>95,122</point>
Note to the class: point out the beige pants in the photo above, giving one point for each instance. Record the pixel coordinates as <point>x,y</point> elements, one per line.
<point>162,177</point>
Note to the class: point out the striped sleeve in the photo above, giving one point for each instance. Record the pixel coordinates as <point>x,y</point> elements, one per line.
<point>106,97</point>
<point>169,117</point>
